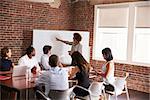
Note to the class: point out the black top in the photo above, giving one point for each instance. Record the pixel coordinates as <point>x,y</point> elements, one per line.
<point>5,64</point>
<point>83,78</point>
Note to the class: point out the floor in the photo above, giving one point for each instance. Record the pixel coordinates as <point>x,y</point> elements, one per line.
<point>134,95</point>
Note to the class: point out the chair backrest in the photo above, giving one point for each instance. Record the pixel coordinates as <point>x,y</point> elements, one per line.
<point>41,96</point>
<point>62,95</point>
<point>96,88</point>
<point>120,83</point>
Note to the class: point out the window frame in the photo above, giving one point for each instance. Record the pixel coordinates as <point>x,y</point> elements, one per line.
<point>131,27</point>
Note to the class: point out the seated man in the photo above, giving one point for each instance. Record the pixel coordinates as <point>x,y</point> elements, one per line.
<point>45,57</point>
<point>29,60</point>
<point>55,79</point>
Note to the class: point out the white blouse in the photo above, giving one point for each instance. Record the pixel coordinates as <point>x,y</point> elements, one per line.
<point>77,47</point>
<point>110,77</point>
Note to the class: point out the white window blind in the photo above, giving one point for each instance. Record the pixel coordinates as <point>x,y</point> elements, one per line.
<point>141,50</point>
<point>143,16</point>
<point>113,17</point>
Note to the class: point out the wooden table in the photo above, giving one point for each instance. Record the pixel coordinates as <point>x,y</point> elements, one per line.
<point>21,85</point>
<point>17,84</point>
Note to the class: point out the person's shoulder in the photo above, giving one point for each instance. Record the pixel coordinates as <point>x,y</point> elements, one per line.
<point>9,60</point>
<point>79,44</point>
<point>63,70</point>
<point>5,60</point>
<point>34,58</point>
<point>111,61</point>
<point>46,73</point>
<point>23,57</point>
<point>44,56</point>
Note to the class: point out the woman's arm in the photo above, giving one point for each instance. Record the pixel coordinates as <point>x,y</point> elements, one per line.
<point>66,42</point>
<point>107,71</point>
<point>73,72</point>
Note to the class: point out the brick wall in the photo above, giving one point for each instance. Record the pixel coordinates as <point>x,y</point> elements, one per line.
<point>19,18</point>
<point>139,78</point>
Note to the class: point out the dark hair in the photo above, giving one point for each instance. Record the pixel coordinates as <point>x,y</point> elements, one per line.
<point>4,51</point>
<point>77,37</point>
<point>108,54</point>
<point>29,50</point>
<point>78,60</point>
<point>46,48</point>
<point>53,60</point>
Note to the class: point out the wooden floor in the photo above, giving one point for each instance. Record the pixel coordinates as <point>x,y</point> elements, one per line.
<point>134,95</point>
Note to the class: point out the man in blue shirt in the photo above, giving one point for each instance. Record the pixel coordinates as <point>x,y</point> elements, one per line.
<point>55,79</point>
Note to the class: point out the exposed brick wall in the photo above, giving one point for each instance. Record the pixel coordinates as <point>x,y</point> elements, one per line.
<point>19,18</point>
<point>139,78</point>
<point>83,18</point>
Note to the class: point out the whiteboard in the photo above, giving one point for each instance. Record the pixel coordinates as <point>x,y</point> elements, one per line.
<point>48,37</point>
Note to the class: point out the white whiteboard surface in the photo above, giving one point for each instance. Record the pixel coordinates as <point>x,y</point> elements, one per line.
<point>48,37</point>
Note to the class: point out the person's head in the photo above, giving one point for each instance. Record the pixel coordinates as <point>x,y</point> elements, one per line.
<point>77,37</point>
<point>30,51</point>
<point>47,49</point>
<point>53,60</point>
<point>78,60</point>
<point>107,55</point>
<point>6,52</point>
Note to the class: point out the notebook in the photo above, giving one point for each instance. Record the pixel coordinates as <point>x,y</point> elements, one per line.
<point>19,70</point>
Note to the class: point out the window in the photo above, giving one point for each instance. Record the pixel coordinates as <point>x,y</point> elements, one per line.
<point>141,49</point>
<point>125,28</point>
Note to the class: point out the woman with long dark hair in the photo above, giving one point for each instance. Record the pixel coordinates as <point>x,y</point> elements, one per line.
<point>81,71</point>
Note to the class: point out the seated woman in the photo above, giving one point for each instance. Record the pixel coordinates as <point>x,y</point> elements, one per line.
<point>108,69</point>
<point>81,71</point>
<point>5,64</point>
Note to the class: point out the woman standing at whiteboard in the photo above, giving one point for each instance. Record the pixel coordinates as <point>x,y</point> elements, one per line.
<point>76,46</point>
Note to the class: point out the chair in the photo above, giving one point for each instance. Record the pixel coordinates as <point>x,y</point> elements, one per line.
<point>120,86</point>
<point>53,94</point>
<point>62,95</point>
<point>41,96</point>
<point>40,92</point>
<point>95,90</point>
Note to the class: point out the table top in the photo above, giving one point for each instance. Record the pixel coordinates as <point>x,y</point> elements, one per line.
<point>23,82</point>
<point>18,83</point>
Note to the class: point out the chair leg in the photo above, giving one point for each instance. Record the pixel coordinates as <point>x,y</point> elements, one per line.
<point>104,94</point>
<point>126,89</point>
<point>108,97</point>
<point>115,95</point>
<point>90,97</point>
